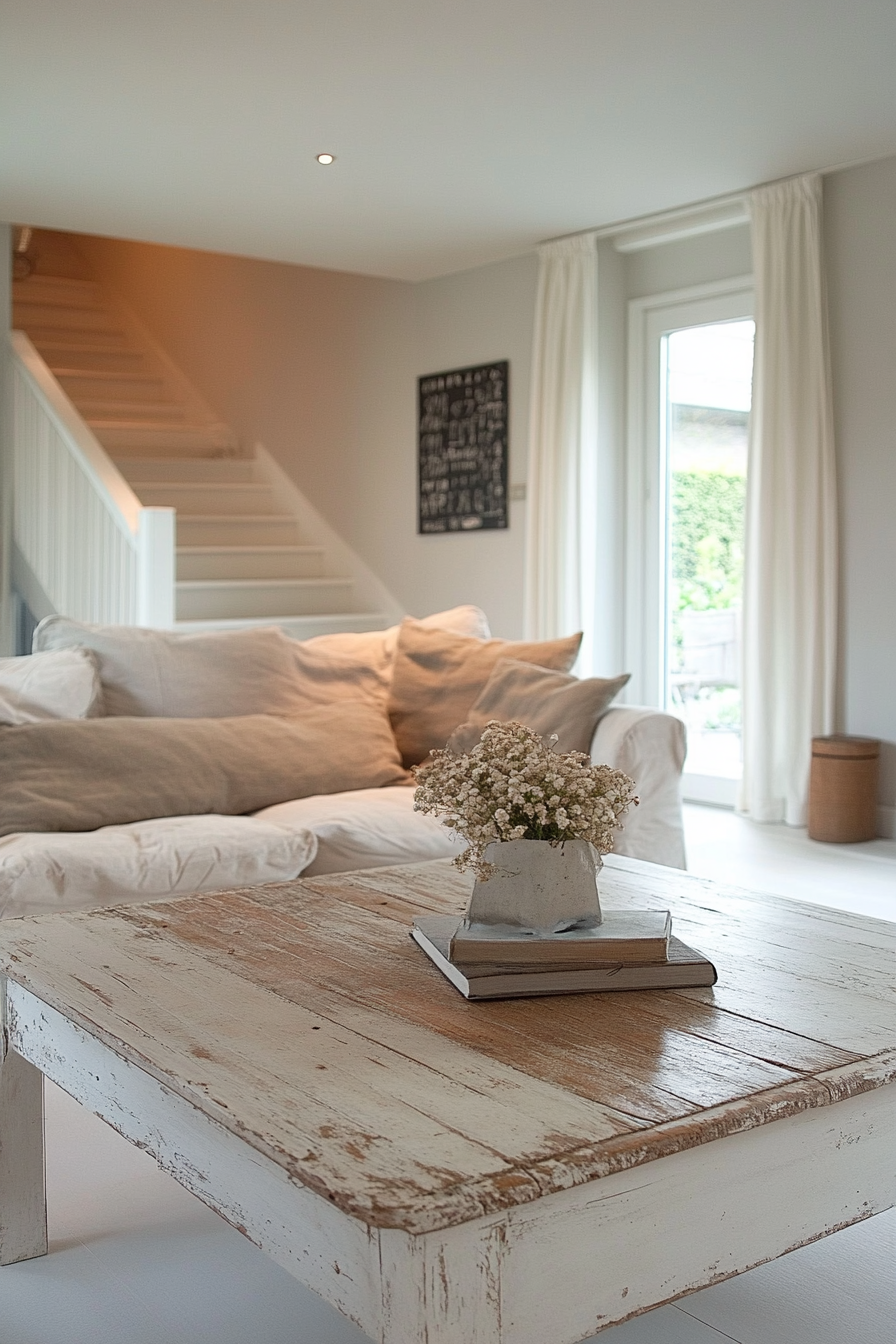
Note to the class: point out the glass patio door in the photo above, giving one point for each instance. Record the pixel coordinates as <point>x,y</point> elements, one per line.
<point>706,374</point>
<point>690,393</point>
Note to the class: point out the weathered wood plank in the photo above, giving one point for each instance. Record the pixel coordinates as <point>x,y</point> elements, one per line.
<point>634,1066</point>
<point>856,1013</point>
<point>23,1198</point>
<point>773,1044</point>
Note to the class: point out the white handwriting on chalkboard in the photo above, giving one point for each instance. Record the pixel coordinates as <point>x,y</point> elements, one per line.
<point>462,445</point>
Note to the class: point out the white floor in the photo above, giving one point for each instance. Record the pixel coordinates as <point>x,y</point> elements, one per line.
<point>783,860</point>
<point>136,1260</point>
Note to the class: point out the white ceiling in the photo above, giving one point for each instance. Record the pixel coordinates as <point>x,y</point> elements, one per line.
<point>465,130</point>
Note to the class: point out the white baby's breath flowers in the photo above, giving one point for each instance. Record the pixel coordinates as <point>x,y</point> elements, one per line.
<point>513,786</point>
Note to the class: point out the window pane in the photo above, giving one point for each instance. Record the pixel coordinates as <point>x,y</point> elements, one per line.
<point>708,376</point>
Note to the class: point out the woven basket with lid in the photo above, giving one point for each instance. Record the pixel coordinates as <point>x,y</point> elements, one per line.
<point>843,788</point>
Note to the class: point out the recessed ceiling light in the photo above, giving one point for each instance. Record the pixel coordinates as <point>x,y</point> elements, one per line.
<point>326,158</point>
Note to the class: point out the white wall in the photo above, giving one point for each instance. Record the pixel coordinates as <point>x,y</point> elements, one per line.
<point>860,230</point>
<point>689,261</point>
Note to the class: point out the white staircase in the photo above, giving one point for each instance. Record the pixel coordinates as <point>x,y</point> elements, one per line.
<point>241,557</point>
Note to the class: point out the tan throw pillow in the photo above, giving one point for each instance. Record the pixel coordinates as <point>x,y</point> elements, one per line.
<point>78,776</point>
<point>438,676</point>
<point>547,702</point>
<point>219,674</point>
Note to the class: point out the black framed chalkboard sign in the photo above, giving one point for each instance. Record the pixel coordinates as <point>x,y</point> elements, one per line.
<point>462,449</point>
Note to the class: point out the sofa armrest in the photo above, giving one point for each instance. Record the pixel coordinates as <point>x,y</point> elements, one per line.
<point>650,747</point>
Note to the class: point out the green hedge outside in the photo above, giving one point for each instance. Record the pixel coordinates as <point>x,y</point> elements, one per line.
<point>707,543</point>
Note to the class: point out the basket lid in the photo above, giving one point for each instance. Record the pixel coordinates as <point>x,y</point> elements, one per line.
<point>846,747</point>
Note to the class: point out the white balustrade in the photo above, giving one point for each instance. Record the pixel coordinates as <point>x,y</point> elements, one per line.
<point>96,552</point>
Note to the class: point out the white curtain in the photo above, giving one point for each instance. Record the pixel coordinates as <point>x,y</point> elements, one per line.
<point>790,581</point>
<point>560,550</point>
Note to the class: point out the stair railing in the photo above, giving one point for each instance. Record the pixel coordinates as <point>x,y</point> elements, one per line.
<point>95,551</point>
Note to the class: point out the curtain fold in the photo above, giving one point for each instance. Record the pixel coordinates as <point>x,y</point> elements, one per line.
<point>790,579</point>
<point>561,490</point>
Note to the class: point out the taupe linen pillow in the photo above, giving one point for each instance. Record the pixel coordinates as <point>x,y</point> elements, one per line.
<point>78,776</point>
<point>438,675</point>
<point>217,674</point>
<point>547,702</point>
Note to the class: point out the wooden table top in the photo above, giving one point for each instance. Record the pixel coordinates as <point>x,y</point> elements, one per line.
<point>303,1018</point>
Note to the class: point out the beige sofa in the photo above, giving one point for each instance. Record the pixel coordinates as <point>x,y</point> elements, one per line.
<point>147,673</point>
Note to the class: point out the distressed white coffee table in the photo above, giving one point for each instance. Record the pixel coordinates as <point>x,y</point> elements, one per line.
<point>523,1172</point>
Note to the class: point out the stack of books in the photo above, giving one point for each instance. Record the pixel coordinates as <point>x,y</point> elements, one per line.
<point>628,950</point>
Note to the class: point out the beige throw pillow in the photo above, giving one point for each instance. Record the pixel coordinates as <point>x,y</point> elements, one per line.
<point>438,676</point>
<point>64,684</point>
<point>107,772</point>
<point>547,702</point>
<point>159,674</point>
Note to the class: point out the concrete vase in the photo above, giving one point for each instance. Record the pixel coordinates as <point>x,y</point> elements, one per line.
<point>538,886</point>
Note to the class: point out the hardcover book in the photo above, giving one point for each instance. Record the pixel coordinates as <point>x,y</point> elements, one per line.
<point>684,968</point>
<point>622,936</point>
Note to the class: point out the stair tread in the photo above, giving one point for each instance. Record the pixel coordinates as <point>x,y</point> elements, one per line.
<point>66,337</point>
<point>107,375</point>
<point>178,461</point>
<point>230,486</point>
<point>249,550</point>
<point>235,517</point>
<point>137,439</point>
<point>35,283</point>
<point>76,303</point>
<point>265,583</point>
<point>97,411</point>
<point>94,347</point>
<point>142,425</point>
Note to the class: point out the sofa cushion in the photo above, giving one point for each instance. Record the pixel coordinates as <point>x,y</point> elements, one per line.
<point>41,873</point>
<point>103,772</point>
<point>374,650</point>
<point>548,702</point>
<point>64,684</point>
<point>367,828</point>
<point>218,674</point>
<point>438,676</point>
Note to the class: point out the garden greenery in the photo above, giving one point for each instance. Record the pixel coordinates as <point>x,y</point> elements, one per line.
<point>707,539</point>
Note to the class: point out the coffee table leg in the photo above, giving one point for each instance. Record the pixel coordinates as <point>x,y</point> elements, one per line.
<point>23,1192</point>
<point>443,1287</point>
